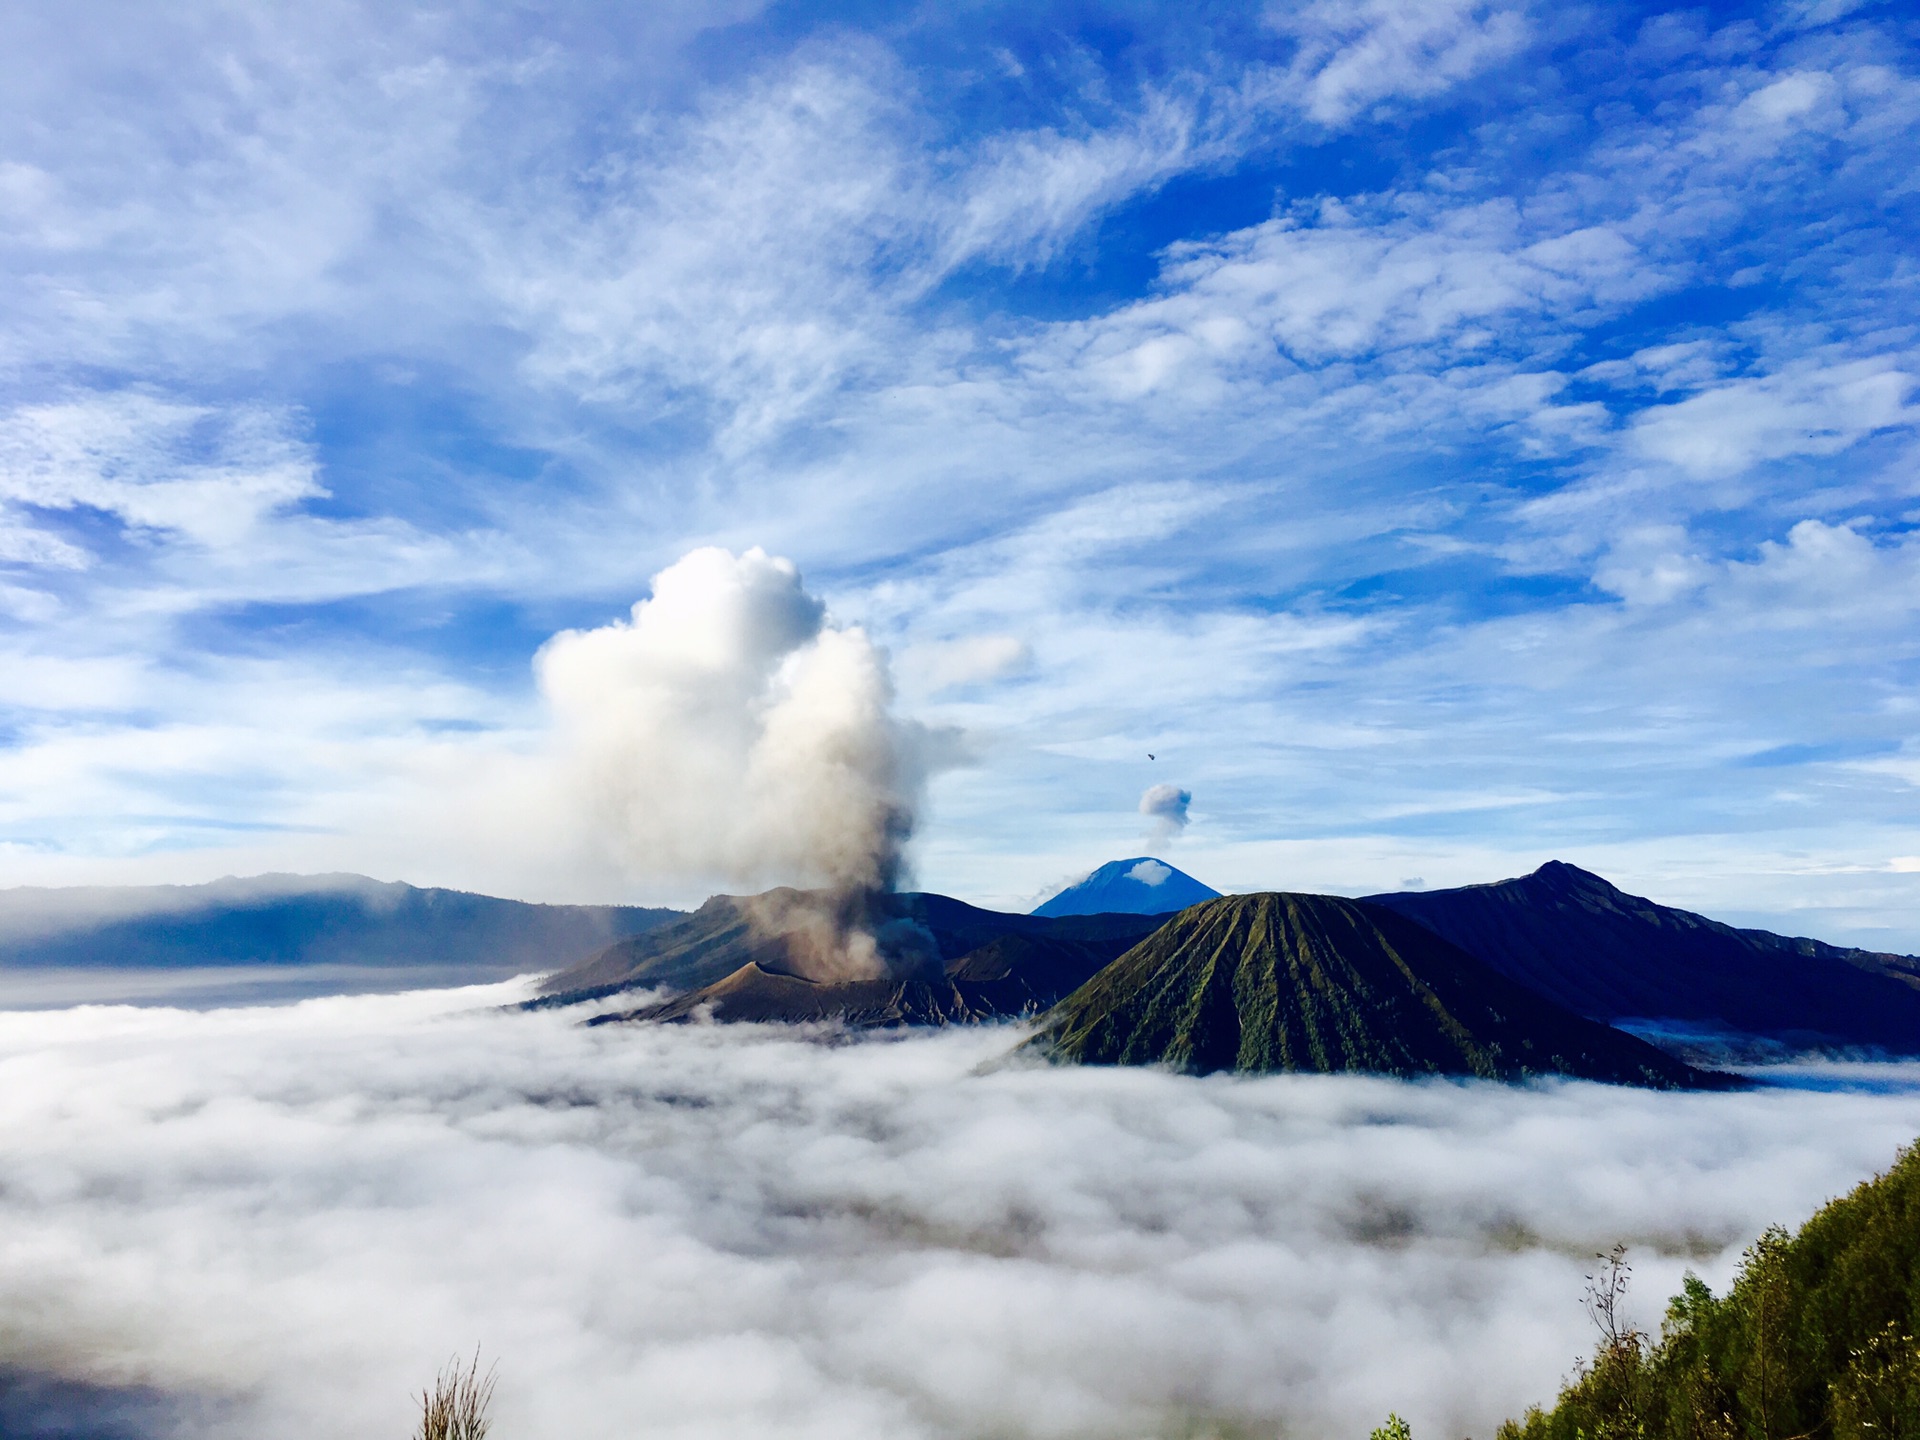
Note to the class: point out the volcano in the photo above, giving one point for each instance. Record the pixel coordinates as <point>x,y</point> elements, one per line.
<point>1282,982</point>
<point>1140,886</point>
<point>940,961</point>
<point>1580,941</point>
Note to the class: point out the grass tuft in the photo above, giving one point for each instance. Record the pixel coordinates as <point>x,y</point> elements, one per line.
<point>456,1408</point>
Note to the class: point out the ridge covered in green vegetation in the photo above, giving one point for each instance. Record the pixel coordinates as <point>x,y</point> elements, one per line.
<point>1814,1339</point>
<point>1280,982</point>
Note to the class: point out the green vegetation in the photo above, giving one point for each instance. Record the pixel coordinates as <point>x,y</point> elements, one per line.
<point>1283,982</point>
<point>1815,1339</point>
<point>456,1408</point>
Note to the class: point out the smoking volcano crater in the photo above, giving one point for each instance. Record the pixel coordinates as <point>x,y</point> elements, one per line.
<point>728,728</point>
<point>866,957</point>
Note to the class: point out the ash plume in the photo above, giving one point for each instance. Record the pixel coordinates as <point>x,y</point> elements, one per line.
<point>830,936</point>
<point>1165,807</point>
<point>729,730</point>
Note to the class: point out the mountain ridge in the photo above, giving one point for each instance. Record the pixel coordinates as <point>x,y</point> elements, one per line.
<point>940,940</point>
<point>1579,940</point>
<point>300,920</point>
<point>1289,982</point>
<point>1011,976</point>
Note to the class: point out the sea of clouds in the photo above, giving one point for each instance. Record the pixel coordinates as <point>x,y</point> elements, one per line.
<point>279,1221</point>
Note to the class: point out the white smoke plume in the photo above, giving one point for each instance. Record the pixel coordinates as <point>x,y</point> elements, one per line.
<point>831,936</point>
<point>1165,807</point>
<point>728,731</point>
<point>274,1224</point>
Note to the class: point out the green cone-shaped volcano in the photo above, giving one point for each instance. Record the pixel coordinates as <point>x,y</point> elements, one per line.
<point>1317,983</point>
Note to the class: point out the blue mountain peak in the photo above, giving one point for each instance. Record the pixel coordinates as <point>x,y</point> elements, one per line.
<point>1139,886</point>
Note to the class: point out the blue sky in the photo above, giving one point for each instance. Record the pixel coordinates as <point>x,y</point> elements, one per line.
<point>1447,435</point>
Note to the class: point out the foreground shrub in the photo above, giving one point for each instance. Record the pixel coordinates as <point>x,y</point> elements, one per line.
<point>1815,1340</point>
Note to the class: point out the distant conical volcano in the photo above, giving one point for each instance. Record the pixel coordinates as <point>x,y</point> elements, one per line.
<point>1571,936</point>
<point>1282,982</point>
<point>1140,886</point>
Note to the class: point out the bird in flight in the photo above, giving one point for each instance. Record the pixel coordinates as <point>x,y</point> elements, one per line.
<point>1149,754</point>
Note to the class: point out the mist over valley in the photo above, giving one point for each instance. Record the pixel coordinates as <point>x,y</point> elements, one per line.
<point>279,1220</point>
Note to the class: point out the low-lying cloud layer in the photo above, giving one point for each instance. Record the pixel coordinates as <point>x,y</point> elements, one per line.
<point>289,1217</point>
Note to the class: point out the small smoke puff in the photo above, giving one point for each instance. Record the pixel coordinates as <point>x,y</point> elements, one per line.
<point>1165,807</point>
<point>1152,872</point>
<point>729,731</point>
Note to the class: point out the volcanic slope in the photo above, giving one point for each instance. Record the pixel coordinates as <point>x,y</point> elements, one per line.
<point>1008,977</point>
<point>1572,937</point>
<point>745,958</point>
<point>1281,982</point>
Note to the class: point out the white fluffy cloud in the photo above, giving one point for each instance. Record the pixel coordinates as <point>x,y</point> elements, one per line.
<point>1806,410</point>
<point>285,1220</point>
<point>1355,55</point>
<point>201,475</point>
<point>729,731</point>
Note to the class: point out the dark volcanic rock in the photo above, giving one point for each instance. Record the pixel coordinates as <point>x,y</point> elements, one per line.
<point>1282,982</point>
<point>707,945</point>
<point>1009,976</point>
<point>1570,936</point>
<point>730,959</point>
